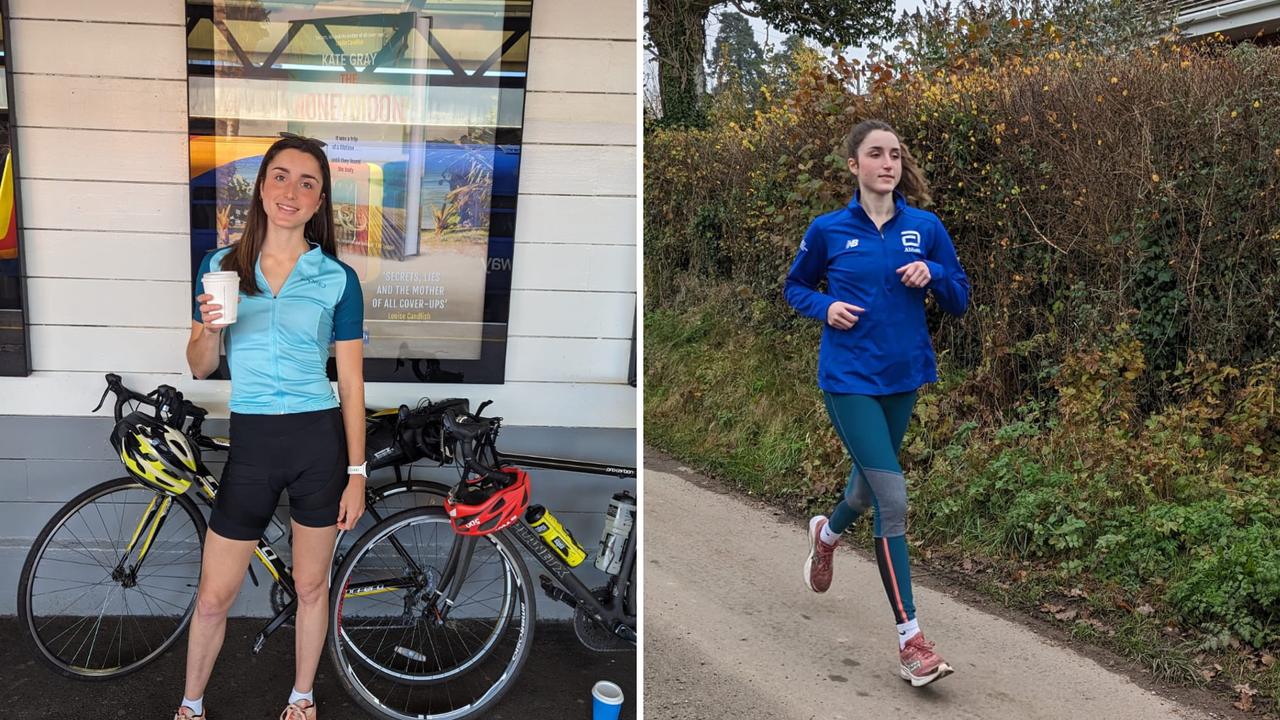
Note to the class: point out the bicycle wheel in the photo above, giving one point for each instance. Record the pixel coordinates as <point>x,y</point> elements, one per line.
<point>86,606</point>
<point>394,654</point>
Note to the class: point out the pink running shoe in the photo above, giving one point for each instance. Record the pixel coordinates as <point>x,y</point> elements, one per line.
<point>920,664</point>
<point>817,569</point>
<point>185,713</point>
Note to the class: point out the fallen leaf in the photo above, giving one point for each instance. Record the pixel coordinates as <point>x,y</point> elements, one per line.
<point>1124,605</point>
<point>1077,593</point>
<point>1145,610</point>
<point>1268,660</point>
<point>1246,697</point>
<point>1234,643</point>
<point>967,566</point>
<point>1208,675</point>
<point>1052,608</point>
<point>1067,615</point>
<point>1020,575</point>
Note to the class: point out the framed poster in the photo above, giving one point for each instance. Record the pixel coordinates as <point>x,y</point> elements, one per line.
<point>15,349</point>
<point>421,106</point>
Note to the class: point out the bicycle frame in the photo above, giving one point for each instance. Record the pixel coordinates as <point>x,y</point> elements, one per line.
<point>614,614</point>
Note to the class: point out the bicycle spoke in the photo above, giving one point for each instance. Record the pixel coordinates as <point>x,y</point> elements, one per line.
<point>73,587</point>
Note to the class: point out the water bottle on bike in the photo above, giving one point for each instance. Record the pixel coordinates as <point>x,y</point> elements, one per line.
<point>619,520</point>
<point>555,535</point>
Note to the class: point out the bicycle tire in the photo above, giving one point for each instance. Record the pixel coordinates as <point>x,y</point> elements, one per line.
<point>28,580</point>
<point>439,699</point>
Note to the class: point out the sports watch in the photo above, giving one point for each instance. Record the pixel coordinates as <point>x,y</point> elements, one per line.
<point>361,469</point>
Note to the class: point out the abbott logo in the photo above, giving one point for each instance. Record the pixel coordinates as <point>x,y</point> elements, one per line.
<point>851,244</point>
<point>910,238</point>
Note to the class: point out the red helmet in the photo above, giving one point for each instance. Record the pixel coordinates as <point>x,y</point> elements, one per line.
<point>487,505</point>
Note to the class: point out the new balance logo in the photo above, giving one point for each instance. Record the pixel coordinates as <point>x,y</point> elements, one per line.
<point>851,244</point>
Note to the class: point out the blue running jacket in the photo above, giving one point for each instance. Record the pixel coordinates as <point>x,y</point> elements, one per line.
<point>278,347</point>
<point>888,350</point>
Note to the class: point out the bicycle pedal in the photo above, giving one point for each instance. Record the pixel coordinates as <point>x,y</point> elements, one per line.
<point>556,593</point>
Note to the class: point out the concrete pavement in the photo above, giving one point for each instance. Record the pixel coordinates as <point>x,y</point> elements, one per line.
<point>731,631</point>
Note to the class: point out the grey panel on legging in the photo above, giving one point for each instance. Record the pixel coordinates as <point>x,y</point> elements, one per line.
<point>890,490</point>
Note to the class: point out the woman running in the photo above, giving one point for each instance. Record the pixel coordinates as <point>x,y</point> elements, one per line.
<point>289,432</point>
<point>881,257</point>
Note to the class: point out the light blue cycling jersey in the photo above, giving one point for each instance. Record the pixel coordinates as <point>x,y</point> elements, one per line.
<point>278,347</point>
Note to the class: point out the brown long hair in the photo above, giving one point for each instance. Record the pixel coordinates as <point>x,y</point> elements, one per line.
<point>244,254</point>
<point>912,183</point>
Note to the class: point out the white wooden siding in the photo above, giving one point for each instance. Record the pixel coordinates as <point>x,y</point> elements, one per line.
<point>590,66</point>
<point>96,254</point>
<point>586,19</point>
<point>579,119</point>
<point>99,49</point>
<point>585,220</point>
<point>103,137</point>
<point>548,404</point>
<point>151,12</point>
<point>99,103</point>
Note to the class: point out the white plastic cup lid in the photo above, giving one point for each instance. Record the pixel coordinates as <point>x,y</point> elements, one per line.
<point>607,693</point>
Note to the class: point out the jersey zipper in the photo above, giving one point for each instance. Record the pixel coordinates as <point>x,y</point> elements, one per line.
<point>275,350</point>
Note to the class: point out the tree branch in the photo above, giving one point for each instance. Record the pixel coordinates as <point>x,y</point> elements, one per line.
<point>743,10</point>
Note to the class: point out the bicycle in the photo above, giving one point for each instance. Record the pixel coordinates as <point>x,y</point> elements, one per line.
<point>163,548</point>
<point>408,616</point>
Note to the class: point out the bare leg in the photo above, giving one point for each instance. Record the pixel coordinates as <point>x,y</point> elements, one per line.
<point>312,560</point>
<point>221,576</point>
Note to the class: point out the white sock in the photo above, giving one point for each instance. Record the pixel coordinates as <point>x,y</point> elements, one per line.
<point>295,696</point>
<point>829,537</point>
<point>906,631</point>
<point>197,705</point>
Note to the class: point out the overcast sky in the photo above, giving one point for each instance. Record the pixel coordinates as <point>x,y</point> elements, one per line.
<point>764,35</point>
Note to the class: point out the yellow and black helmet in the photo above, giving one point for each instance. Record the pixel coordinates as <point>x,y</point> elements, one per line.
<point>155,453</point>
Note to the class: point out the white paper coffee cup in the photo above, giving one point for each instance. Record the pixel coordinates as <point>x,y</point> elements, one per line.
<point>225,288</point>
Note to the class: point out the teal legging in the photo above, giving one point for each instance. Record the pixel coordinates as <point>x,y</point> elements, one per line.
<point>872,428</point>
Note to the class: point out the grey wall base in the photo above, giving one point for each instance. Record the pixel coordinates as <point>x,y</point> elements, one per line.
<point>44,462</point>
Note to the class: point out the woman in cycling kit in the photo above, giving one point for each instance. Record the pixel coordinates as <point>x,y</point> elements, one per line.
<point>288,431</point>
<point>881,257</point>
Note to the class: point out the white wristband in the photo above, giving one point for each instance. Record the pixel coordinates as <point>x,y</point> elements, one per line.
<point>361,469</point>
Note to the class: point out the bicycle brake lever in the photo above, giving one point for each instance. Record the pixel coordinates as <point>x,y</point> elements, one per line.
<point>105,393</point>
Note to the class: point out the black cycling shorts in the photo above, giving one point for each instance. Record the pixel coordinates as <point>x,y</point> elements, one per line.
<point>305,453</point>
